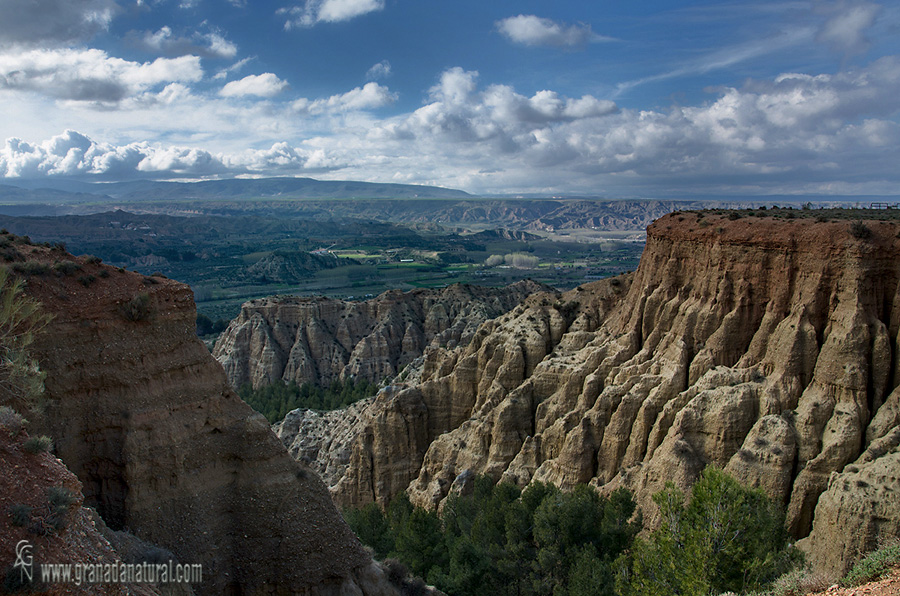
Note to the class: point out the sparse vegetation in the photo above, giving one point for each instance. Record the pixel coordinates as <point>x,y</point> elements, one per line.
<point>38,444</point>
<point>30,267</point>
<point>11,421</point>
<point>59,499</point>
<point>138,308</point>
<point>860,231</point>
<point>21,319</point>
<point>66,267</point>
<point>20,514</point>
<point>873,566</point>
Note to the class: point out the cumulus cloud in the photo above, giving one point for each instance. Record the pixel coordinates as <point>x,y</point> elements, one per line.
<point>368,97</point>
<point>74,154</point>
<point>264,85</point>
<point>91,75</point>
<point>846,26</point>
<point>211,44</point>
<point>460,111</point>
<point>796,132</point>
<point>382,70</point>
<point>53,22</point>
<point>530,30</point>
<point>328,11</point>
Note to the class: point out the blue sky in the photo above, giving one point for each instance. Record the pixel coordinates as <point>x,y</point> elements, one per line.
<point>617,99</point>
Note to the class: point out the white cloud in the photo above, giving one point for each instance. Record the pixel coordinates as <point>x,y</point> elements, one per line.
<point>845,29</point>
<point>264,85</point>
<point>531,30</point>
<point>208,45</point>
<point>369,96</point>
<point>90,75</point>
<point>795,132</point>
<point>53,22</point>
<point>382,70</point>
<point>328,11</point>
<point>74,154</point>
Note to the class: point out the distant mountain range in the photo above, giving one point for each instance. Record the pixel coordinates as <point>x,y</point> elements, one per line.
<point>56,191</point>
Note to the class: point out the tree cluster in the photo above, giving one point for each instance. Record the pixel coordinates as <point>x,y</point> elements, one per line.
<point>276,400</point>
<point>502,541</point>
<point>543,541</point>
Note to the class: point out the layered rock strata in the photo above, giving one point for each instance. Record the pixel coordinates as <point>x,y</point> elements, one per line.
<point>765,346</point>
<point>144,416</point>
<point>318,340</point>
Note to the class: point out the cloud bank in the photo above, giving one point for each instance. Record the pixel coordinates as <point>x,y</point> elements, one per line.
<point>793,133</point>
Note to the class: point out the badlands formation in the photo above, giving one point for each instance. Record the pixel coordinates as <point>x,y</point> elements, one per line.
<point>319,339</point>
<point>766,346</point>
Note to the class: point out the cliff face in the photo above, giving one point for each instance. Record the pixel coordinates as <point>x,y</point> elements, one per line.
<point>318,340</point>
<point>767,347</point>
<point>144,416</point>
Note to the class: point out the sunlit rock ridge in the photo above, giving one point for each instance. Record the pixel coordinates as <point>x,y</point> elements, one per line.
<point>766,346</point>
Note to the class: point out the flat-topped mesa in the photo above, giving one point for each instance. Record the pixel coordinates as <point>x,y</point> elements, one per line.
<point>319,340</point>
<point>764,345</point>
<point>143,415</point>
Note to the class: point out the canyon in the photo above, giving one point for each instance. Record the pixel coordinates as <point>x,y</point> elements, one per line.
<point>763,345</point>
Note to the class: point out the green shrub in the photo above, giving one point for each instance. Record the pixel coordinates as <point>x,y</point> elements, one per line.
<point>11,421</point>
<point>138,308</point>
<point>873,566</point>
<point>21,319</point>
<point>20,514</point>
<point>59,500</point>
<point>860,231</point>
<point>86,280</point>
<point>728,538</point>
<point>798,582</point>
<point>31,268</point>
<point>66,267</point>
<point>38,444</point>
<point>92,260</point>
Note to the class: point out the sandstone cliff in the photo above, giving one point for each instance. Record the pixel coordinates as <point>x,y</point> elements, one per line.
<point>144,416</point>
<point>318,340</point>
<point>765,346</point>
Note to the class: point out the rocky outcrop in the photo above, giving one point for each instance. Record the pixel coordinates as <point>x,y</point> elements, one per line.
<point>323,440</point>
<point>318,340</point>
<point>144,416</point>
<point>764,346</point>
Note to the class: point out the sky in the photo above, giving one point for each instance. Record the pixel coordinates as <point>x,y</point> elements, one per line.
<point>593,98</point>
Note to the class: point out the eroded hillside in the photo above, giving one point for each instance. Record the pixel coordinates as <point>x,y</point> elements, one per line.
<point>319,339</point>
<point>163,448</point>
<point>765,346</point>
